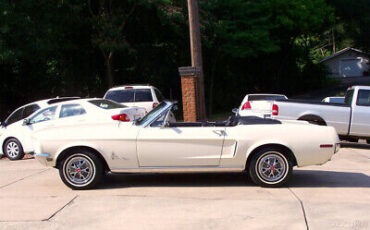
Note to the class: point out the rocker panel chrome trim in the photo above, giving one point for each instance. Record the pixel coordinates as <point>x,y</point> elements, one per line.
<point>236,168</point>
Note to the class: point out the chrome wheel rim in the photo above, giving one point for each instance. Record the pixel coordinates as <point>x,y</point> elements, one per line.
<point>79,170</point>
<point>272,167</point>
<point>12,149</point>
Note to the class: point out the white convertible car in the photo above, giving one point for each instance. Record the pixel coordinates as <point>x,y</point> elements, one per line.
<point>266,149</point>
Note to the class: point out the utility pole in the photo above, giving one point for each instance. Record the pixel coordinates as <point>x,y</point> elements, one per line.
<point>196,53</point>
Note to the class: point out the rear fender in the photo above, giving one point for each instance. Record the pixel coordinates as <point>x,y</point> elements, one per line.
<point>311,116</point>
<point>266,143</point>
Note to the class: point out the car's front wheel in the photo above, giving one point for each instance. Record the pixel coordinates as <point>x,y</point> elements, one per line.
<point>13,149</point>
<point>81,169</point>
<point>270,167</point>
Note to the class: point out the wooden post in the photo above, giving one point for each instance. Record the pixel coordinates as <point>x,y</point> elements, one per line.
<point>196,54</point>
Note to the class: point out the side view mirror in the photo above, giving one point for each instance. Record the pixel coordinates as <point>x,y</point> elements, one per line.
<point>235,110</point>
<point>26,122</point>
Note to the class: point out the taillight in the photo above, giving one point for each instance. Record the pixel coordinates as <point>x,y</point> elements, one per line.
<point>275,110</point>
<point>247,105</point>
<point>121,117</point>
<point>155,105</point>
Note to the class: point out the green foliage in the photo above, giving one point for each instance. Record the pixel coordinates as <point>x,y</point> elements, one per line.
<point>350,27</point>
<point>79,47</point>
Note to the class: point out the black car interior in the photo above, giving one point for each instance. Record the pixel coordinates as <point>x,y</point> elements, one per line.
<point>230,122</point>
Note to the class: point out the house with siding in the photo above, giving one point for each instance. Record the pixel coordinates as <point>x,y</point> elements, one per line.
<point>347,63</point>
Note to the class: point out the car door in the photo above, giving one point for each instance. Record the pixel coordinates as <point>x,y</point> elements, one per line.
<point>43,119</point>
<point>179,146</point>
<point>23,131</point>
<point>360,124</point>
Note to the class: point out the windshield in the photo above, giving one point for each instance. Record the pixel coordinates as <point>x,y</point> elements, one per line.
<point>265,97</point>
<point>151,114</point>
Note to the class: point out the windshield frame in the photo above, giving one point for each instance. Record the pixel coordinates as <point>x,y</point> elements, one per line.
<point>154,114</point>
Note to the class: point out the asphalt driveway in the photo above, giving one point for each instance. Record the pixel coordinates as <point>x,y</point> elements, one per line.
<point>333,196</point>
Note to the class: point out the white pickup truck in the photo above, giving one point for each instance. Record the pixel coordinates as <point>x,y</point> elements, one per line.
<point>351,119</point>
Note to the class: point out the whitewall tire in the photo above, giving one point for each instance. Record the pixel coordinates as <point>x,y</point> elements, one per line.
<point>270,167</point>
<point>81,169</point>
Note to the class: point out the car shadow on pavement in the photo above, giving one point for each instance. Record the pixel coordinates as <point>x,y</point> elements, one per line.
<point>354,145</point>
<point>174,180</point>
<point>300,178</point>
<point>328,179</point>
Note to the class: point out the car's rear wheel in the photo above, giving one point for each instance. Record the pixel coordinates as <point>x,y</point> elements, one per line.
<point>81,169</point>
<point>13,149</point>
<point>270,167</point>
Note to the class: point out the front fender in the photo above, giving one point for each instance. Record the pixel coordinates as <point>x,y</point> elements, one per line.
<point>62,148</point>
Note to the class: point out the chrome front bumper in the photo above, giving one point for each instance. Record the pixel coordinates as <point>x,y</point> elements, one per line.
<point>44,159</point>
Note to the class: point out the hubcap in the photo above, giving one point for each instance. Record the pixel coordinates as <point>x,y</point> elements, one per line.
<point>272,167</point>
<point>12,149</point>
<point>79,170</point>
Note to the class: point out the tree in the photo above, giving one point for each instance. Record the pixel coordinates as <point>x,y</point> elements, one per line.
<point>352,23</point>
<point>252,45</point>
<point>109,19</point>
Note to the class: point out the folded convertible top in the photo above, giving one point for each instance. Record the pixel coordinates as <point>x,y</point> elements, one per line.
<point>253,120</point>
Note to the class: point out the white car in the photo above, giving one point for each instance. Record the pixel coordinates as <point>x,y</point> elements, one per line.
<point>135,95</point>
<point>12,142</point>
<point>338,100</point>
<point>267,149</point>
<point>16,138</point>
<point>258,104</point>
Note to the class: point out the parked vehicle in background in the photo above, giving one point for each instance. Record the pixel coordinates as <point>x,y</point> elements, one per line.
<point>155,144</point>
<point>351,119</point>
<point>258,104</point>
<point>339,100</point>
<point>135,95</point>
<point>16,140</point>
<point>10,145</point>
